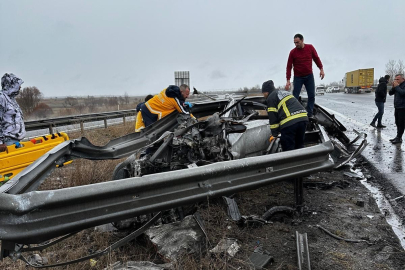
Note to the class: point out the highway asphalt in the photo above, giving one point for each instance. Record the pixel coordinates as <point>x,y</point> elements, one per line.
<point>356,111</point>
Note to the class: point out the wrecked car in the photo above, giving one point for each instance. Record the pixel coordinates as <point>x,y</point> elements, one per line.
<point>228,135</point>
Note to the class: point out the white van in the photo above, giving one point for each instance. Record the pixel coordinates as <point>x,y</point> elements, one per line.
<point>320,90</point>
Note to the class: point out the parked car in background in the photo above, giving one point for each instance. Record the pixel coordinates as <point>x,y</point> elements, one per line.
<point>320,90</point>
<point>329,89</point>
<point>335,89</point>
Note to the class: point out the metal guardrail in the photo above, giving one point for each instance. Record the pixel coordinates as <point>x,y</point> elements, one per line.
<point>33,217</point>
<point>51,123</point>
<point>32,176</point>
<point>77,119</point>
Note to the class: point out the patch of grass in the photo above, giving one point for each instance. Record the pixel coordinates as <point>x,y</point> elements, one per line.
<point>340,233</point>
<point>341,259</point>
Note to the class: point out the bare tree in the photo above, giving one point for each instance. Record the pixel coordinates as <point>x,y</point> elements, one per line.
<point>91,103</point>
<point>80,107</point>
<point>70,102</point>
<point>29,98</point>
<point>42,111</point>
<point>400,67</point>
<point>390,69</point>
<point>121,100</point>
<point>113,101</point>
<point>100,102</point>
<point>126,97</point>
<point>393,68</point>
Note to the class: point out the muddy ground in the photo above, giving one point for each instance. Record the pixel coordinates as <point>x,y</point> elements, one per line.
<point>332,200</point>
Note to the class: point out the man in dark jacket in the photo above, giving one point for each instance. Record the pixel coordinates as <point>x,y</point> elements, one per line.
<point>138,107</point>
<point>380,97</point>
<point>286,115</point>
<point>398,89</point>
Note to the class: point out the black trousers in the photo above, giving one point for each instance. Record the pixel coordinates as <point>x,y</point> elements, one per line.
<point>400,121</point>
<point>292,137</point>
<point>148,117</point>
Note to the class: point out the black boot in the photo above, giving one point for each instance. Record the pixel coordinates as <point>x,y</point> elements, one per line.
<point>397,140</point>
<point>372,124</point>
<point>381,126</point>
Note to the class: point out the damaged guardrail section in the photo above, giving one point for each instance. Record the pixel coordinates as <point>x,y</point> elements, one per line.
<point>32,176</point>
<point>36,216</point>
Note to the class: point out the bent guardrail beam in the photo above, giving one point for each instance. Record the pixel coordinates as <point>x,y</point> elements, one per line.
<point>37,216</point>
<point>32,176</point>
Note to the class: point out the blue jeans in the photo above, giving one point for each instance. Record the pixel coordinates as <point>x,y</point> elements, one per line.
<point>378,116</point>
<point>309,83</point>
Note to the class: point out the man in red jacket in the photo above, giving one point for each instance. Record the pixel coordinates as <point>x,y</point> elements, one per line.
<point>300,59</point>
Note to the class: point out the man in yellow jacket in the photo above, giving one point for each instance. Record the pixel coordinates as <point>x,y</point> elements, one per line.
<point>168,100</point>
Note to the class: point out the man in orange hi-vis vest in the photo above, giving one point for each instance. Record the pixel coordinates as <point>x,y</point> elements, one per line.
<point>168,100</point>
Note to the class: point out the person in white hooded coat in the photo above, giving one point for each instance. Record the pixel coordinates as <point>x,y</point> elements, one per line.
<point>12,128</point>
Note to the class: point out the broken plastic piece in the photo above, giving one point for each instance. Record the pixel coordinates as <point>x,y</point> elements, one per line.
<point>37,260</point>
<point>175,239</point>
<point>228,245</point>
<point>260,260</point>
<point>233,209</point>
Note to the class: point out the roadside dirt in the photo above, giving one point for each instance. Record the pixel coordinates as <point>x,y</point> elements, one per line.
<point>332,200</point>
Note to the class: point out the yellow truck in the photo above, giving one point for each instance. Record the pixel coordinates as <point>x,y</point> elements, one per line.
<point>359,81</point>
<point>15,159</point>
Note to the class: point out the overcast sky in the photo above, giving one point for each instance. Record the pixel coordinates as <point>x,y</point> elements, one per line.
<point>100,47</point>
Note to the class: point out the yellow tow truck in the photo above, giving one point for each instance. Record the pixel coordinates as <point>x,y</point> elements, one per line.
<point>15,159</point>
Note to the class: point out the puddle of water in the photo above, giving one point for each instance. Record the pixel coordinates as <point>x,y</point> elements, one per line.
<point>383,204</point>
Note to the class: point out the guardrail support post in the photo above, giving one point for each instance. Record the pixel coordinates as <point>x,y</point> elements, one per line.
<point>105,123</point>
<point>6,246</point>
<point>50,129</point>
<point>124,120</point>
<point>82,127</point>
